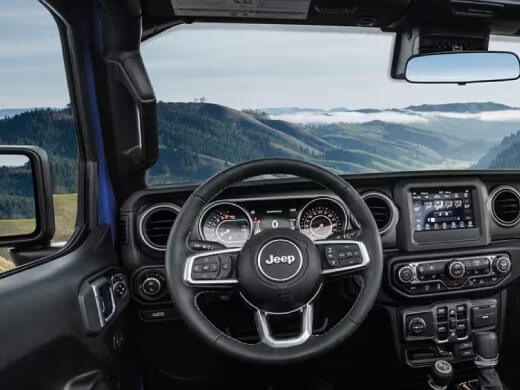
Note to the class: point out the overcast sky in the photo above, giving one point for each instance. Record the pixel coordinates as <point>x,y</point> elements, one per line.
<point>262,66</point>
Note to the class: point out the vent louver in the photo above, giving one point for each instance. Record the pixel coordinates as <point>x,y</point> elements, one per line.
<point>382,209</point>
<point>505,206</point>
<point>156,223</point>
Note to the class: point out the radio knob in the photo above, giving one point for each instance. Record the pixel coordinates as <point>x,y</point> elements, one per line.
<point>151,286</point>
<point>502,265</point>
<point>405,274</point>
<point>456,269</point>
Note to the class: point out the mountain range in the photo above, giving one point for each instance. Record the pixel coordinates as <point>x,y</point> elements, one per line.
<point>199,139</point>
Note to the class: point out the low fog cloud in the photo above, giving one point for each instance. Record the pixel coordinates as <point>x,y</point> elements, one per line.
<point>392,116</point>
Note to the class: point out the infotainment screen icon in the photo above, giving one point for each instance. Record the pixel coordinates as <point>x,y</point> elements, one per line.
<point>442,209</point>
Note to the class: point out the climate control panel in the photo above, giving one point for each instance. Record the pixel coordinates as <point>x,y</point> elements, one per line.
<point>435,276</point>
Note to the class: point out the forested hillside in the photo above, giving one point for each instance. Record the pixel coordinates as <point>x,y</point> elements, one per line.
<point>53,131</point>
<point>199,139</point>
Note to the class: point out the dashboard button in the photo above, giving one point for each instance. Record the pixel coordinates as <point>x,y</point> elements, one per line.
<point>405,274</point>
<point>456,269</point>
<point>417,326</point>
<point>120,288</point>
<point>152,286</point>
<point>502,265</point>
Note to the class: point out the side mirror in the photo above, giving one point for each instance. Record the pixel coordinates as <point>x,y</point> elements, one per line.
<point>26,206</point>
<point>462,67</point>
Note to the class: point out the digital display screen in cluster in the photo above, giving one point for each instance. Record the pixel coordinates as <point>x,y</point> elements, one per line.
<point>265,217</point>
<point>442,209</point>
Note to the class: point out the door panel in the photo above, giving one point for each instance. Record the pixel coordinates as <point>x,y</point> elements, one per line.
<point>43,336</point>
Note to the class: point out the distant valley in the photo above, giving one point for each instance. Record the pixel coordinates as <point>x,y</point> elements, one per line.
<point>199,139</point>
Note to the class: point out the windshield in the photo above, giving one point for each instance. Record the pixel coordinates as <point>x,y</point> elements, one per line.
<point>233,93</point>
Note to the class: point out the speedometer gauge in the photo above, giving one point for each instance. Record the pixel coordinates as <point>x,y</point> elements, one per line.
<point>321,218</point>
<point>226,223</point>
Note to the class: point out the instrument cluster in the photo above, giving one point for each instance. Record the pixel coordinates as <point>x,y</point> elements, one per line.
<point>231,223</point>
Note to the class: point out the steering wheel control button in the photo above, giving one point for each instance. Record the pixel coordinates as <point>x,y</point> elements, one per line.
<point>405,274</point>
<point>280,260</point>
<point>343,255</point>
<point>205,268</point>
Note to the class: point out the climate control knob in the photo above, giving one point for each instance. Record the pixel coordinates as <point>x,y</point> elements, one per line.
<point>151,286</point>
<point>405,274</point>
<point>502,264</point>
<point>456,269</point>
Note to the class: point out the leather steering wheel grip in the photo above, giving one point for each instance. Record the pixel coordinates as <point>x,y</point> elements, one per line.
<point>184,296</point>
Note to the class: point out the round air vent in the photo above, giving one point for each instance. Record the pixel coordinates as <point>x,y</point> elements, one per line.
<point>382,208</point>
<point>156,223</point>
<point>505,206</point>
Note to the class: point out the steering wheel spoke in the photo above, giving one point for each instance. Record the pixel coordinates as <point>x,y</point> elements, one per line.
<point>266,336</point>
<point>212,268</point>
<point>342,257</point>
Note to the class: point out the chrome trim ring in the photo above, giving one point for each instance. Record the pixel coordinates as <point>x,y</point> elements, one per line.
<point>338,203</point>
<point>220,203</point>
<point>394,218</point>
<point>145,214</point>
<point>491,207</point>
<point>481,362</point>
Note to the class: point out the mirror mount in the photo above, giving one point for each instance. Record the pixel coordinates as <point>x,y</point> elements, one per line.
<point>416,42</point>
<point>43,201</point>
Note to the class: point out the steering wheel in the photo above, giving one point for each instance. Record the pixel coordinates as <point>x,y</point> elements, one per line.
<point>277,272</point>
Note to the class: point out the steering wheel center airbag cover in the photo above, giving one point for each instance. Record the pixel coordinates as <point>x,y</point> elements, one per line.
<point>280,260</point>
<point>279,271</point>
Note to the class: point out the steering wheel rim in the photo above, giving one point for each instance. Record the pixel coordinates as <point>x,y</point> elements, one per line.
<point>184,296</point>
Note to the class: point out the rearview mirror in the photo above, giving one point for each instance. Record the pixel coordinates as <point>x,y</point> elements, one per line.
<point>26,208</point>
<point>462,67</point>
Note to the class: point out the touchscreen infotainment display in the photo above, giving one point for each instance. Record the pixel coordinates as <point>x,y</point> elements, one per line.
<point>442,209</point>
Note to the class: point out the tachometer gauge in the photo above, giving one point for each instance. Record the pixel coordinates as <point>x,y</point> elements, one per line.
<point>321,218</point>
<point>226,223</point>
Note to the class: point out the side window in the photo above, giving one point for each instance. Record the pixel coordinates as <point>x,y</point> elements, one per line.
<point>34,110</point>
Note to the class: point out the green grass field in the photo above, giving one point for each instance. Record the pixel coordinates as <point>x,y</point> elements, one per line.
<point>65,208</point>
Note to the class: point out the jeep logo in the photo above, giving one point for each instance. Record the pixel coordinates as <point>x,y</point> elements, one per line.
<point>280,259</point>
<point>291,262</point>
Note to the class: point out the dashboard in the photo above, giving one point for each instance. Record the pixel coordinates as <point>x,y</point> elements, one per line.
<point>450,241</point>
